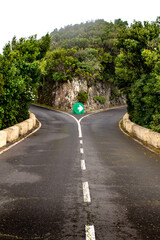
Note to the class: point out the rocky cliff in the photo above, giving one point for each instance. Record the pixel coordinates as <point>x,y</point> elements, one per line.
<point>64,95</point>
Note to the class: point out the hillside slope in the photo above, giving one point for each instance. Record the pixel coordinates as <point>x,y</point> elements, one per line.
<point>82,55</point>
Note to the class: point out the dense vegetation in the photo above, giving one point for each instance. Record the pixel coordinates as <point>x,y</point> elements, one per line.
<point>138,72</point>
<point>122,55</point>
<point>88,49</point>
<point>83,51</point>
<point>20,73</point>
<point>127,56</point>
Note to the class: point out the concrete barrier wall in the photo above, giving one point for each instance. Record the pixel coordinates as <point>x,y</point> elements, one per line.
<point>23,128</point>
<point>12,133</point>
<point>141,133</point>
<point>3,138</point>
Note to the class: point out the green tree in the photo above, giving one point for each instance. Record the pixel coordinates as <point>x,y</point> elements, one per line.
<point>44,46</point>
<point>20,73</point>
<point>60,65</point>
<point>137,70</point>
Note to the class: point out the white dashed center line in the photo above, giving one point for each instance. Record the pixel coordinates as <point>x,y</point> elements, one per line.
<point>89,229</point>
<point>86,193</point>
<point>90,232</point>
<point>81,150</point>
<point>83,165</point>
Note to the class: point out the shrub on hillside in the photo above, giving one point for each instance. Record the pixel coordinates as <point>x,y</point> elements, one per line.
<point>100,99</point>
<point>82,97</point>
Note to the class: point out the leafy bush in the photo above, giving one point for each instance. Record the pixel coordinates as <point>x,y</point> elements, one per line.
<point>100,99</point>
<point>20,73</point>
<point>138,72</point>
<point>155,124</point>
<point>82,97</point>
<point>64,64</point>
<point>115,93</point>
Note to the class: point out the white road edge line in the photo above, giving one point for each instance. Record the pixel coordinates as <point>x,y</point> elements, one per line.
<point>86,193</point>
<point>83,165</point>
<point>90,232</point>
<point>14,144</point>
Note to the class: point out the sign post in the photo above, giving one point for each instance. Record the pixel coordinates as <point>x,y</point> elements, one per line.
<point>78,108</point>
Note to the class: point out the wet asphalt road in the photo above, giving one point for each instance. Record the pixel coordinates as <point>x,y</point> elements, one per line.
<point>41,195</point>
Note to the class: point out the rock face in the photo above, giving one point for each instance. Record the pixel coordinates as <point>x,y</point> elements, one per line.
<point>64,95</point>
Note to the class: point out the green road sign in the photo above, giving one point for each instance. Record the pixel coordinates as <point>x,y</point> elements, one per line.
<point>78,108</point>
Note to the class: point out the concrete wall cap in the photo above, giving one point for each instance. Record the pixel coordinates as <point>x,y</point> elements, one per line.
<point>12,133</point>
<point>142,133</point>
<point>32,116</point>
<point>3,138</point>
<point>23,128</point>
<point>30,123</point>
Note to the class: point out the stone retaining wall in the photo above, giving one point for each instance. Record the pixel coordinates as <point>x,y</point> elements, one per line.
<point>141,133</point>
<point>12,133</point>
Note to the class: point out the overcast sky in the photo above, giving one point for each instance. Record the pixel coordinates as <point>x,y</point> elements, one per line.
<point>24,18</point>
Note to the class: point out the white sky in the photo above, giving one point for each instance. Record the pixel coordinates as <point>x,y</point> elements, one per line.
<point>24,18</point>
